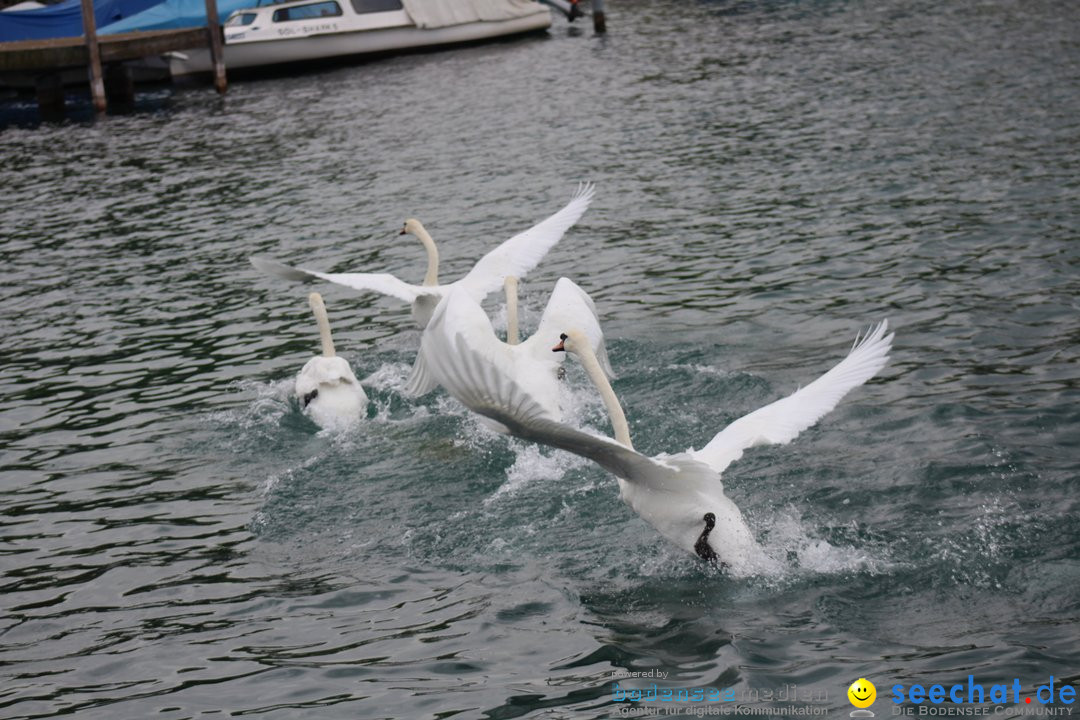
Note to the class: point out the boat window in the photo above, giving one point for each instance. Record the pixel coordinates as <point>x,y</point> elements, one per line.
<point>372,6</point>
<point>308,12</point>
<point>241,19</point>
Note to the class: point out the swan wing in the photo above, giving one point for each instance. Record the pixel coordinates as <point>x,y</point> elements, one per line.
<point>780,422</point>
<point>384,283</point>
<point>421,381</point>
<point>465,318</point>
<point>568,307</point>
<point>322,370</point>
<point>460,350</point>
<point>523,252</point>
<point>482,388</point>
<point>480,376</point>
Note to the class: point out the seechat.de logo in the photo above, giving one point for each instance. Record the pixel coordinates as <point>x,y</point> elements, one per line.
<point>975,693</point>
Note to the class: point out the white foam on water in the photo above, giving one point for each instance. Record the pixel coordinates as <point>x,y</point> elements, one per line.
<point>388,377</point>
<point>979,555</point>
<point>699,369</point>
<point>276,479</point>
<point>794,550</point>
<point>476,432</point>
<point>533,463</point>
<point>498,319</point>
<point>790,551</point>
<point>271,403</point>
<point>384,412</point>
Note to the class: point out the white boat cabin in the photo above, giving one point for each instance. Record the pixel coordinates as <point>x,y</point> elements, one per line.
<point>300,18</point>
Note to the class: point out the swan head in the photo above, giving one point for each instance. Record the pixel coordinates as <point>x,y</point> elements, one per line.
<point>572,341</point>
<point>412,227</point>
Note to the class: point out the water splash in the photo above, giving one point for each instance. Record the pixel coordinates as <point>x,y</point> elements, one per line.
<point>533,463</point>
<point>796,546</point>
<point>271,403</point>
<point>388,377</point>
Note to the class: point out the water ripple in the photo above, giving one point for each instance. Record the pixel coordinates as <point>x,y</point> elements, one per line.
<point>179,540</point>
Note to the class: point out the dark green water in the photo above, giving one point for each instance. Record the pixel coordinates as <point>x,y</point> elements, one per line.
<point>178,541</point>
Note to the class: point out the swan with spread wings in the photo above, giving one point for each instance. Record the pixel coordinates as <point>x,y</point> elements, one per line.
<point>516,257</point>
<point>681,494</point>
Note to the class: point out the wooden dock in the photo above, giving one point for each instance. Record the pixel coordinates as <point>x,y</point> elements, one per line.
<point>56,53</point>
<point>45,59</point>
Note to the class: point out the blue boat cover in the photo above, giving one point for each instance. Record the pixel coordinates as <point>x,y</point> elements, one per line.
<point>176,14</point>
<point>65,19</point>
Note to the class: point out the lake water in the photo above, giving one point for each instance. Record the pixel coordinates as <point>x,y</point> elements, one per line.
<point>179,541</point>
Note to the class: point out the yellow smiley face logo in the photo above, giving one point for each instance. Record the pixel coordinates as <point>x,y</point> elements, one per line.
<point>862,693</point>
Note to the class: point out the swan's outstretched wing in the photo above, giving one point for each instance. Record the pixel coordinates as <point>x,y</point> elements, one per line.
<point>781,421</point>
<point>478,374</point>
<point>523,252</point>
<point>420,381</point>
<point>568,308</point>
<point>375,282</point>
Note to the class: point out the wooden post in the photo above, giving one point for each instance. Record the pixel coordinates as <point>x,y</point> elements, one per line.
<point>217,49</point>
<point>97,84</point>
<point>598,21</point>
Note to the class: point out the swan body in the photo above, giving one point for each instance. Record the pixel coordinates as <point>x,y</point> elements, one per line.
<point>326,387</point>
<point>517,256</point>
<point>530,362</point>
<point>680,495</point>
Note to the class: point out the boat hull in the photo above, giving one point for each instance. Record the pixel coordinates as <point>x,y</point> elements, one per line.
<point>363,42</point>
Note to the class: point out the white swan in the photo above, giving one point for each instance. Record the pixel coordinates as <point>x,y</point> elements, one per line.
<point>530,363</point>
<point>680,495</point>
<point>517,256</point>
<point>328,391</point>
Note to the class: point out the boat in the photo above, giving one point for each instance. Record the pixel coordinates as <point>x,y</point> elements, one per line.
<point>296,31</point>
<point>34,21</point>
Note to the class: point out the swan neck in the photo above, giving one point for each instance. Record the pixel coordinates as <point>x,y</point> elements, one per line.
<point>607,394</point>
<point>324,329</point>
<point>512,336</point>
<point>432,277</point>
